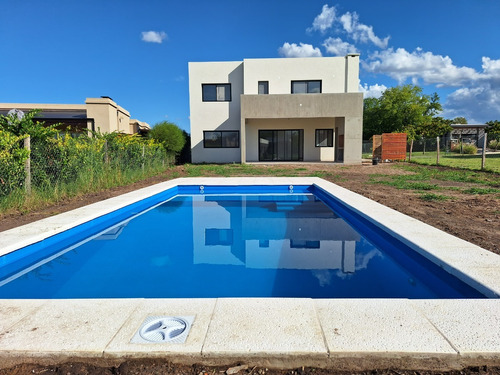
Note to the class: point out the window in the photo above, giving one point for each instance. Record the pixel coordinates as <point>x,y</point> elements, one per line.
<point>324,137</point>
<point>304,244</point>
<point>306,87</point>
<point>219,92</point>
<point>221,139</point>
<point>281,145</point>
<point>263,87</point>
<point>214,237</point>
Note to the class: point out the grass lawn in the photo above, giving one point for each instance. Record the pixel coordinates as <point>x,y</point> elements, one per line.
<point>458,161</point>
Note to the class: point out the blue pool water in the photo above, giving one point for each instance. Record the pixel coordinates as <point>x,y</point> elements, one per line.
<point>214,243</point>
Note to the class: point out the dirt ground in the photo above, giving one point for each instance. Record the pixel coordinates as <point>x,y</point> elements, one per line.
<point>474,218</point>
<point>158,367</point>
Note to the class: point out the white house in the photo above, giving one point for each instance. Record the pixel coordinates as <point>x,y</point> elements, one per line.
<point>301,109</point>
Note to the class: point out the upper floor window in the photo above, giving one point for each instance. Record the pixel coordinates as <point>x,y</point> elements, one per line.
<point>306,87</point>
<point>263,87</point>
<point>216,92</point>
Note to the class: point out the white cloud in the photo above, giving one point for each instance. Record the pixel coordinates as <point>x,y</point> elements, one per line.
<point>361,32</point>
<point>350,24</point>
<point>153,36</point>
<point>478,95</point>
<point>302,50</point>
<point>337,47</point>
<point>432,69</point>
<point>324,20</point>
<point>477,104</point>
<point>372,91</point>
<point>491,69</point>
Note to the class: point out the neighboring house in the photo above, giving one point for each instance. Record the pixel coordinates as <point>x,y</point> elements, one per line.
<point>288,109</point>
<point>99,114</point>
<point>468,133</point>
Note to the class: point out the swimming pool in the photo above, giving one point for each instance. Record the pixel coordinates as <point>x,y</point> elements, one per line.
<point>234,238</point>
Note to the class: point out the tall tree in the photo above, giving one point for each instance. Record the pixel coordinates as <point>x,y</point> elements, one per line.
<point>400,108</point>
<point>459,120</point>
<point>493,129</point>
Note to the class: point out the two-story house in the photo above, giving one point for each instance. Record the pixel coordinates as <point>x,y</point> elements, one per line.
<point>301,109</point>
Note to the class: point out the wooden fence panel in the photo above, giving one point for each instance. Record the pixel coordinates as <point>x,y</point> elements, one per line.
<point>377,146</point>
<point>394,146</point>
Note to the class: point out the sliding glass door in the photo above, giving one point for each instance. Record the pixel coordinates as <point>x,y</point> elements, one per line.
<point>281,145</point>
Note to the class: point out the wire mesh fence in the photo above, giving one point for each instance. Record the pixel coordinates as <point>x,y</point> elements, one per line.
<point>69,165</point>
<point>462,152</point>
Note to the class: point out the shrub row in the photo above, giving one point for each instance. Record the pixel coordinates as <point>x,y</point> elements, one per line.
<point>84,162</point>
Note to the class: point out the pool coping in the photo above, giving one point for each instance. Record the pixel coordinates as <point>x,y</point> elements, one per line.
<point>350,334</point>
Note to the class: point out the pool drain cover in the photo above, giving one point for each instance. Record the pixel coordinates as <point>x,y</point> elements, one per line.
<point>161,329</point>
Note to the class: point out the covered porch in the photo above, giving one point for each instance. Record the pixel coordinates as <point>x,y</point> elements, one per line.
<point>301,127</point>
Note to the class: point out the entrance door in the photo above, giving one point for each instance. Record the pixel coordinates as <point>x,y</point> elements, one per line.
<point>281,145</point>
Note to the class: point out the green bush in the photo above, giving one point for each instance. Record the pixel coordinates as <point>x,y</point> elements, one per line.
<point>469,149</point>
<point>63,165</point>
<point>466,148</point>
<point>494,144</point>
<point>169,135</point>
<point>12,158</point>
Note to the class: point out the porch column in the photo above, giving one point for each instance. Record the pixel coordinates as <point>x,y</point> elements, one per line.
<point>353,134</point>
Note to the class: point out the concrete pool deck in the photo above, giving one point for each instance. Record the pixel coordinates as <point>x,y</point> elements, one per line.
<point>348,334</point>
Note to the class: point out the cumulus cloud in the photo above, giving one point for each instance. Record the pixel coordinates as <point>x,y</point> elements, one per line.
<point>477,104</point>
<point>361,32</point>
<point>302,50</point>
<point>337,47</point>
<point>478,95</point>
<point>324,20</point>
<point>349,23</point>
<point>372,91</point>
<point>153,36</point>
<point>432,69</point>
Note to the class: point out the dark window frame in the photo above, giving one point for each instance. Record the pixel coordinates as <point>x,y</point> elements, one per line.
<point>307,82</point>
<point>276,152</point>
<point>203,99</point>
<point>329,138</point>
<point>221,144</point>
<point>267,87</point>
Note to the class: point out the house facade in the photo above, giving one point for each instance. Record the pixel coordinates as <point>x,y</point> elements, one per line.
<point>97,114</point>
<point>301,109</point>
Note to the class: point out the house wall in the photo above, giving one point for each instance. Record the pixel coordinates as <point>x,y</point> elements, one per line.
<point>340,105</point>
<point>207,116</point>
<point>108,115</point>
<point>336,73</point>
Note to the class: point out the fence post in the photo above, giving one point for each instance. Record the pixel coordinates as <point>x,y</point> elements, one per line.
<point>483,160</point>
<point>27,166</point>
<point>437,156</point>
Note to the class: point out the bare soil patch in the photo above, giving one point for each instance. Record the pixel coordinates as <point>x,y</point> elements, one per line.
<point>158,367</point>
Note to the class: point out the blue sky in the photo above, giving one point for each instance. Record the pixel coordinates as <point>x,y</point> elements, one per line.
<point>137,52</point>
